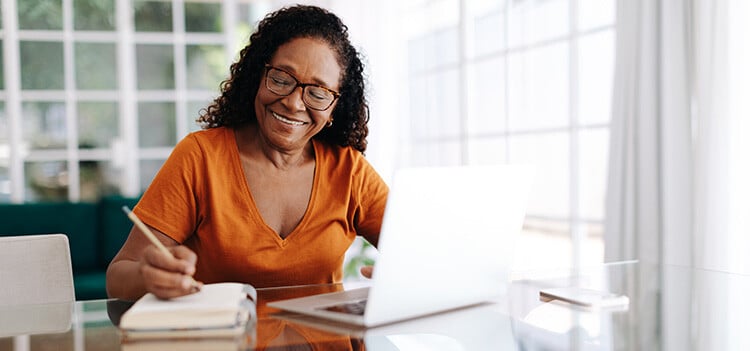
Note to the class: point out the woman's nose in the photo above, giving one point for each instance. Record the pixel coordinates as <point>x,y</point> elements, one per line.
<point>294,101</point>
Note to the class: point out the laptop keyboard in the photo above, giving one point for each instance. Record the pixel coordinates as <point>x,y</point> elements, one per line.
<point>354,307</point>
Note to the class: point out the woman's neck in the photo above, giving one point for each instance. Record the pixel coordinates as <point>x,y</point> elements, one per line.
<point>252,144</point>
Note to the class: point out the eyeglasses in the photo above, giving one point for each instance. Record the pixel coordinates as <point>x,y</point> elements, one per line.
<point>314,96</point>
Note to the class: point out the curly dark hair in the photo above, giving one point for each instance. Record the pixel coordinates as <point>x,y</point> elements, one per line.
<point>233,108</point>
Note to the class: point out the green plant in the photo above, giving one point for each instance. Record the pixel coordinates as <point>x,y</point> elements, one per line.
<point>361,258</point>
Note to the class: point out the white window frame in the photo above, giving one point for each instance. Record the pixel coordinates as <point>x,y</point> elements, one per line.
<point>124,152</point>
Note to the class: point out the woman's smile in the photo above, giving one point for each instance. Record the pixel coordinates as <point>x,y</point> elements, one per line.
<point>286,120</point>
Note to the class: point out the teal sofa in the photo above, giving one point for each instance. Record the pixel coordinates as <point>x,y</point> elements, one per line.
<point>95,231</point>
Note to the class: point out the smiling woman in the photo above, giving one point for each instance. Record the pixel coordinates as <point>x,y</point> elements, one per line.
<point>276,188</point>
<point>287,119</point>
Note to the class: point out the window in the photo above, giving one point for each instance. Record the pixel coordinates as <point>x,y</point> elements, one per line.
<point>90,90</point>
<point>521,81</point>
<point>97,98</point>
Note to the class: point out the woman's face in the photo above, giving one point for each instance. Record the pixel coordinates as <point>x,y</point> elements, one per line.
<point>285,123</point>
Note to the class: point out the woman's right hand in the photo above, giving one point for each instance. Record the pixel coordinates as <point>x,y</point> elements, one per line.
<point>169,276</point>
<point>140,268</point>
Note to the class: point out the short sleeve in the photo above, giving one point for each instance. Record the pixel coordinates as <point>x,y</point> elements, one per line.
<point>170,203</point>
<point>370,194</point>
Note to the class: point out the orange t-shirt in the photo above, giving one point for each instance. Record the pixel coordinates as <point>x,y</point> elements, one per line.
<point>200,198</point>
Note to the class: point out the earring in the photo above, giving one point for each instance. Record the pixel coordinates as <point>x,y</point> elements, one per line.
<point>330,123</point>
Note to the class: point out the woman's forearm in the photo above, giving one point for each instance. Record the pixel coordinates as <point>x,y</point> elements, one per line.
<point>124,280</point>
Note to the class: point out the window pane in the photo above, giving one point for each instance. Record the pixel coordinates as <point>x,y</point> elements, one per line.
<point>206,66</point>
<point>98,179</point>
<point>155,66</point>
<point>417,56</point>
<point>594,147</point>
<point>596,72</point>
<point>202,17</point>
<point>479,8</point>
<point>153,16</point>
<point>446,45</point>
<point>46,181</point>
<point>44,125</point>
<point>247,16</point>
<point>431,16</point>
<point>94,14</point>
<point>438,153</point>
<point>2,67</point>
<point>487,97</point>
<point>4,180</point>
<point>156,124</point>
<point>539,94</point>
<point>42,65</point>
<point>437,95</point>
<point>534,21</point>
<point>489,33</point>
<point>149,168</point>
<point>446,97</point>
<point>39,14</point>
<point>433,50</point>
<point>4,156</point>
<point>549,152</point>
<point>486,151</point>
<point>595,13</point>
<point>422,54</point>
<point>97,124</point>
<point>193,112</point>
<point>418,106</point>
<point>423,154</point>
<point>96,66</point>
<point>4,131</point>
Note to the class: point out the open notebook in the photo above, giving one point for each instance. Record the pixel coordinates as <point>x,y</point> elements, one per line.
<point>447,241</point>
<point>218,310</point>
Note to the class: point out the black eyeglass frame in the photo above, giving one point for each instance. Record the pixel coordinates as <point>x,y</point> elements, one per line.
<point>268,69</point>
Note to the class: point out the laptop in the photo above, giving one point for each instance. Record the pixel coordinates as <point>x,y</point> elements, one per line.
<point>446,242</point>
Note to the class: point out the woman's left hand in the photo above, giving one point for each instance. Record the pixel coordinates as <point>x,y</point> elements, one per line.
<point>366,271</point>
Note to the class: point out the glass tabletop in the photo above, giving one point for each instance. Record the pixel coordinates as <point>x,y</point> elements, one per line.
<point>670,308</point>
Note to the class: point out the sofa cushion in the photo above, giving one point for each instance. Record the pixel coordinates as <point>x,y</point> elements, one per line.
<point>76,220</point>
<point>90,285</point>
<point>114,226</point>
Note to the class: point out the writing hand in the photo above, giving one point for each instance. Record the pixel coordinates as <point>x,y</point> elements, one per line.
<point>168,277</point>
<point>366,271</point>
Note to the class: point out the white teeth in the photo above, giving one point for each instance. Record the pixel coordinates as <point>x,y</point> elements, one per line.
<point>287,121</point>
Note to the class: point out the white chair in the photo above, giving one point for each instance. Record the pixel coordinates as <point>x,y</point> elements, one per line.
<point>35,269</point>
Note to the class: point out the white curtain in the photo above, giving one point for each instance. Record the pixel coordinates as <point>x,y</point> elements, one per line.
<point>632,225</point>
<point>632,217</point>
<point>721,163</point>
<point>722,153</point>
<point>680,163</point>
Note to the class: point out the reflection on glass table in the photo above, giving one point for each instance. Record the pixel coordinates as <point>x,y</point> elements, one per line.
<point>689,309</point>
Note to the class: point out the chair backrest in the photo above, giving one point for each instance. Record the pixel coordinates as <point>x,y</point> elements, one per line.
<point>35,269</point>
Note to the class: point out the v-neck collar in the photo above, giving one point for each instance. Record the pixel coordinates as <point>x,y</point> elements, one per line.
<point>252,206</point>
